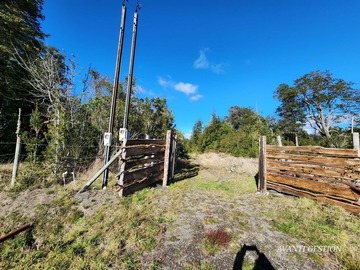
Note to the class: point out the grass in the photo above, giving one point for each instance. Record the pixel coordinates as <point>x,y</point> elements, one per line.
<point>319,225</point>
<point>114,236</point>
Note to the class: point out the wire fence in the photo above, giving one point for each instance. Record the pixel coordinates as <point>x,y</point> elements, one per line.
<point>67,163</point>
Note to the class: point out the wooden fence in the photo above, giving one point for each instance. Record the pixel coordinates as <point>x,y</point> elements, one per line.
<point>325,174</point>
<point>146,162</point>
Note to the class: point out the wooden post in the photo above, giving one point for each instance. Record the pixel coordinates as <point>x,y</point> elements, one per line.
<point>262,165</point>
<point>278,140</point>
<point>17,151</point>
<point>173,156</point>
<point>167,158</point>
<point>356,143</point>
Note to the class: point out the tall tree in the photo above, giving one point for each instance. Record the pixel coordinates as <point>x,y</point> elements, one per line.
<point>20,31</point>
<point>195,135</point>
<point>291,113</point>
<point>322,99</point>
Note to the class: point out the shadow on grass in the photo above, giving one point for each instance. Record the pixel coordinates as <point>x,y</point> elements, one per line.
<point>260,263</point>
<point>184,170</point>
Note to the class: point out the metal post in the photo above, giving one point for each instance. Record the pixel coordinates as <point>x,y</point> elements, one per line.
<point>131,69</point>
<point>115,92</point>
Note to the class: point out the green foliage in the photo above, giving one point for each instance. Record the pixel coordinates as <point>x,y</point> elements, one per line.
<point>237,135</point>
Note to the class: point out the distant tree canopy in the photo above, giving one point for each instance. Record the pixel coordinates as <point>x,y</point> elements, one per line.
<point>237,134</point>
<point>318,99</point>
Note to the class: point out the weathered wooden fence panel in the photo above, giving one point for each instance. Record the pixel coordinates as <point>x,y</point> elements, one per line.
<point>324,174</point>
<point>146,162</point>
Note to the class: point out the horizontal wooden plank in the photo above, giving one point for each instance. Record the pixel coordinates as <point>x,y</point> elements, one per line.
<point>318,187</point>
<point>348,206</point>
<point>144,142</point>
<point>143,183</point>
<point>144,150</point>
<point>130,176</point>
<point>301,192</point>
<point>314,150</point>
<point>334,172</point>
<point>323,161</point>
<point>319,178</point>
<point>139,163</point>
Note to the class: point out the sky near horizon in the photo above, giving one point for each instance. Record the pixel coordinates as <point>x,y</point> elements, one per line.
<point>205,56</point>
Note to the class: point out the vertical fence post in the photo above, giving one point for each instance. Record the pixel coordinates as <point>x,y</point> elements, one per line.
<point>17,151</point>
<point>173,156</point>
<point>167,157</point>
<point>262,164</point>
<point>356,143</point>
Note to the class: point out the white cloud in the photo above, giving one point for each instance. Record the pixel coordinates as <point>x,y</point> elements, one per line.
<point>196,97</point>
<point>186,88</point>
<point>202,62</point>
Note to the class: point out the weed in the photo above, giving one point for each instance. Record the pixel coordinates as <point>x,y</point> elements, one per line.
<point>215,240</point>
<point>174,239</point>
<point>129,261</point>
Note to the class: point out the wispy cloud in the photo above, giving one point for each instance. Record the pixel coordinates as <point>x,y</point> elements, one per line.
<point>165,83</point>
<point>196,97</point>
<point>187,88</point>
<point>141,90</point>
<point>202,62</point>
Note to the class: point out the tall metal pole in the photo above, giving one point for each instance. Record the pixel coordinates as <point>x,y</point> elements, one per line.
<point>114,94</point>
<point>131,69</point>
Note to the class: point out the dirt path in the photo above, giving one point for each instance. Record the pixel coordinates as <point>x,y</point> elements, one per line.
<point>203,208</point>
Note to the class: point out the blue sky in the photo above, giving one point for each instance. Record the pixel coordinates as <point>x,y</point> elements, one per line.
<point>205,56</point>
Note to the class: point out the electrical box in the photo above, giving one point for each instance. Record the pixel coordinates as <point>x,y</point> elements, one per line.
<point>123,134</point>
<point>107,138</point>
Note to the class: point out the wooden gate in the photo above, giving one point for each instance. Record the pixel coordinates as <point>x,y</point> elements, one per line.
<point>327,175</point>
<point>146,162</point>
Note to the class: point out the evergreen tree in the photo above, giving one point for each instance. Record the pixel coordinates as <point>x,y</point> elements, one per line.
<point>20,33</point>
